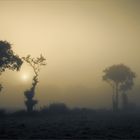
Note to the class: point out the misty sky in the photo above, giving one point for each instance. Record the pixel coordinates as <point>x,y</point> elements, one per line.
<point>79,38</point>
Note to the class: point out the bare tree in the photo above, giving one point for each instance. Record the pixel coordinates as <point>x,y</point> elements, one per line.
<point>8,59</point>
<point>36,64</point>
<point>118,76</point>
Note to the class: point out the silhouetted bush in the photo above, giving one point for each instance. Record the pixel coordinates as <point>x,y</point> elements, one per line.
<point>19,113</point>
<point>24,113</point>
<point>55,108</point>
<point>2,112</point>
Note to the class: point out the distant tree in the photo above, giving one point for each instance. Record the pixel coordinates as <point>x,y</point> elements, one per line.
<point>58,108</point>
<point>35,63</point>
<point>119,77</point>
<point>126,86</point>
<point>8,59</point>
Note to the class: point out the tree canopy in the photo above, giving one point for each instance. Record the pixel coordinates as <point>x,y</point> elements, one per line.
<point>8,59</point>
<point>120,78</point>
<point>119,74</point>
<point>36,64</point>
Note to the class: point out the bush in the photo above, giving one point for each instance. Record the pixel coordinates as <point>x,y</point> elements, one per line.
<point>55,108</point>
<point>2,112</point>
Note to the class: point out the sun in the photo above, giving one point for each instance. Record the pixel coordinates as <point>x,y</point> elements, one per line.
<point>24,77</point>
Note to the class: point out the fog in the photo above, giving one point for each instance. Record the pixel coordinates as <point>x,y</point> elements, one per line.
<point>79,39</point>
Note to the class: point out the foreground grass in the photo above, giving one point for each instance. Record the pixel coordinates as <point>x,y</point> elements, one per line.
<point>71,125</point>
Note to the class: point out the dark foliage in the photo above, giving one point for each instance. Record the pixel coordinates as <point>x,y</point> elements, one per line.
<point>55,108</point>
<point>120,77</point>
<point>8,59</point>
<point>35,63</point>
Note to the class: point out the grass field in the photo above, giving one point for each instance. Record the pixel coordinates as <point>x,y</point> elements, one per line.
<point>71,125</point>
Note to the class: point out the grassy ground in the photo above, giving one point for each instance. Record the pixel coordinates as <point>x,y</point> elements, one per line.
<point>99,125</point>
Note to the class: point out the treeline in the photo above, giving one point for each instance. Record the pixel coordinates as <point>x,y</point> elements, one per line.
<point>120,77</point>
<point>61,109</point>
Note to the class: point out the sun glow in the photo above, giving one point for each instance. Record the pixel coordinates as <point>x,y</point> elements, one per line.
<point>25,77</point>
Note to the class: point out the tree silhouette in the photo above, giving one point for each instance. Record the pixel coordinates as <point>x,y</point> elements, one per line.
<point>8,59</point>
<point>126,86</point>
<point>1,87</point>
<point>35,63</point>
<point>120,77</point>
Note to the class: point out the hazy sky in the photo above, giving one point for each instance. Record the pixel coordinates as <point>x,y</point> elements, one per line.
<point>79,38</point>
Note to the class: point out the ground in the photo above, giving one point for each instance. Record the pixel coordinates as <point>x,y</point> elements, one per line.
<point>103,125</point>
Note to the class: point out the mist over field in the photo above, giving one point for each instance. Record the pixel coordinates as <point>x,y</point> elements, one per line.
<point>79,40</point>
<point>69,69</point>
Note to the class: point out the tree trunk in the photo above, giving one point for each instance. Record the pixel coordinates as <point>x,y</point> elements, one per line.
<point>117,98</point>
<point>124,101</point>
<point>29,94</point>
<point>30,105</point>
<point>113,100</point>
<point>1,87</point>
<point>113,103</point>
